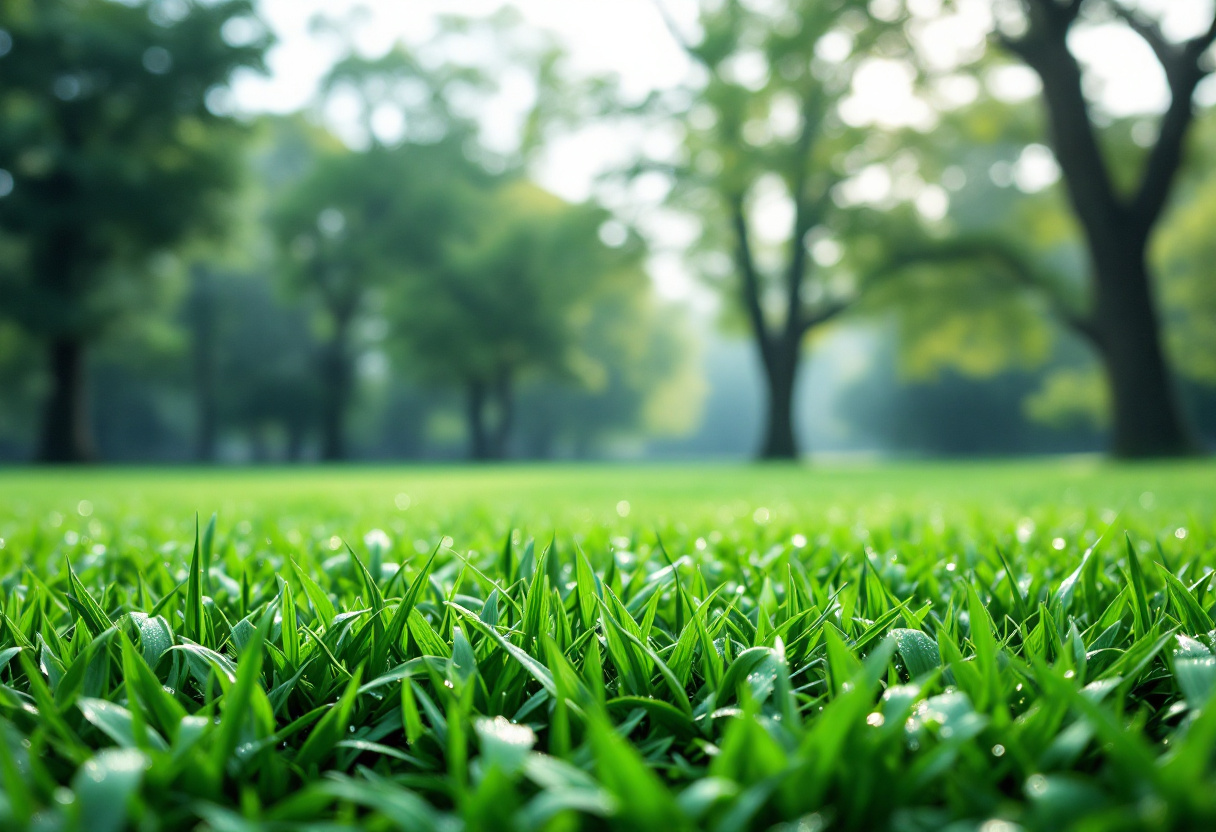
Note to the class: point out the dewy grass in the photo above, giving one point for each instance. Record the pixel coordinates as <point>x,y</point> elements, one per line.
<point>901,661</point>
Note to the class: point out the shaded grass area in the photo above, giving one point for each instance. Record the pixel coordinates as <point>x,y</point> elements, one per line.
<point>984,646</point>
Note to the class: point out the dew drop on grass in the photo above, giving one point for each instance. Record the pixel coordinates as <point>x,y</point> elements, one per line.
<point>761,515</point>
<point>1025,529</point>
<point>84,508</point>
<point>622,508</point>
<point>402,501</point>
<point>1180,533</point>
<point>875,719</point>
<point>998,825</point>
<point>335,543</point>
<point>1036,785</point>
<point>998,750</point>
<point>1058,544</point>
<point>798,541</point>
<point>377,539</point>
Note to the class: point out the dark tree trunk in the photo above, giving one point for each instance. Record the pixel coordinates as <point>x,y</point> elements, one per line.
<point>479,440</point>
<point>491,416</point>
<point>1147,416</point>
<point>295,442</point>
<point>780,441</point>
<point>505,398</point>
<point>206,421</point>
<point>65,422</point>
<point>337,378</point>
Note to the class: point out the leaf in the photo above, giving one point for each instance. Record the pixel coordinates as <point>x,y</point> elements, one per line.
<point>401,616</point>
<point>206,547</point>
<point>587,586</point>
<point>534,667</point>
<point>115,722</point>
<point>401,806</point>
<point>155,636</point>
<point>1188,610</point>
<point>89,610</point>
<point>918,651</point>
<point>1195,671</point>
<point>503,744</point>
<point>194,592</point>
<point>105,786</point>
<point>1140,606</point>
<point>321,604</point>
<point>645,803</point>
<point>332,727</point>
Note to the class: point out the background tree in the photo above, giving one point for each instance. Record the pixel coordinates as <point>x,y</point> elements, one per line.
<point>357,223</point>
<point>114,157</point>
<point>634,375</point>
<point>764,149</point>
<point>1118,222</point>
<point>520,297</point>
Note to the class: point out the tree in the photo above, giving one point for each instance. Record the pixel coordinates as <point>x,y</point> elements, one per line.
<point>113,157</point>
<point>1118,226</point>
<point>631,377</point>
<point>518,298</point>
<point>765,129</point>
<point>357,225</point>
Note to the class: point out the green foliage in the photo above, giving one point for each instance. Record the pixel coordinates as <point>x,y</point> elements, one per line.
<point>871,667</point>
<point>114,152</point>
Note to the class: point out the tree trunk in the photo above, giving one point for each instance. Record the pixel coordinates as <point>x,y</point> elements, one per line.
<point>505,397</point>
<point>780,441</point>
<point>479,441</point>
<point>66,436</point>
<point>337,377</point>
<point>204,366</point>
<point>1147,416</point>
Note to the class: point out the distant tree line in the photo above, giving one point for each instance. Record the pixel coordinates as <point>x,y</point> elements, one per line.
<point>279,264</point>
<point>186,284</point>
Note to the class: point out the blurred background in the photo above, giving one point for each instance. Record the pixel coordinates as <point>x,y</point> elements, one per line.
<point>296,230</point>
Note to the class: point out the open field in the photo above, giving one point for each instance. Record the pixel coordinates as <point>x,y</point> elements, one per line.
<point>907,647</point>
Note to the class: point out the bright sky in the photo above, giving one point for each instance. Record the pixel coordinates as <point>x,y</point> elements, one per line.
<point>629,38</point>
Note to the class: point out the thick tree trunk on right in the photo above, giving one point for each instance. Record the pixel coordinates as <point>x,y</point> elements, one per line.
<point>66,436</point>
<point>780,440</point>
<point>1123,323</point>
<point>1147,418</point>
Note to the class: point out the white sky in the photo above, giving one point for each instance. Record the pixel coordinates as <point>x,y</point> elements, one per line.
<point>629,38</point>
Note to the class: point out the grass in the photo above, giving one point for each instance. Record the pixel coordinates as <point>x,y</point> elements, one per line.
<point>990,646</point>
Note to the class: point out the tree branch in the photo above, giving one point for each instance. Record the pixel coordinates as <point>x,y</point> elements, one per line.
<point>821,316</point>
<point>1184,72</point>
<point>1045,49</point>
<point>1149,31</point>
<point>806,215</point>
<point>1011,263</point>
<point>675,33</point>
<point>750,279</point>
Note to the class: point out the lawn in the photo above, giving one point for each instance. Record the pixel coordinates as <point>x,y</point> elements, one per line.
<point>988,646</point>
